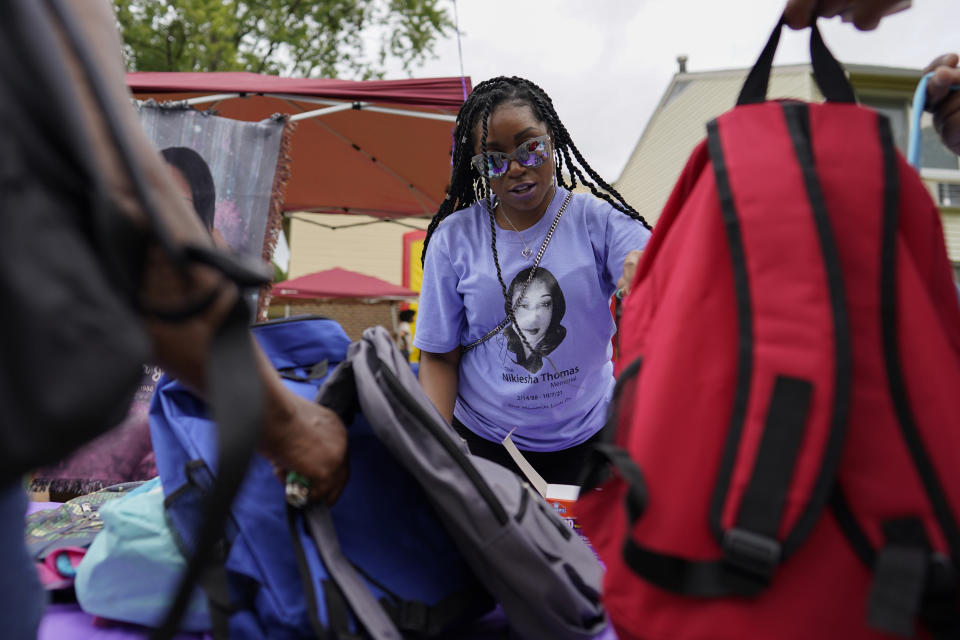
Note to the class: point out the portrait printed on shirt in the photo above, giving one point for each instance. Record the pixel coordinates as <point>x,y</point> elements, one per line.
<point>538,312</point>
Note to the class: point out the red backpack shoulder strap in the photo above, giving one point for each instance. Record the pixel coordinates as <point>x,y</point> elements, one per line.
<point>795,364</point>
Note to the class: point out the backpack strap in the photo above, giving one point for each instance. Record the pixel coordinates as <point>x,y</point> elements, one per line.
<point>941,612</point>
<point>828,73</point>
<point>763,501</point>
<point>696,578</point>
<point>910,580</point>
<point>891,352</point>
<point>425,620</point>
<point>597,468</point>
<point>236,399</point>
<point>900,576</point>
<point>752,545</point>
<point>312,372</point>
<point>358,596</point>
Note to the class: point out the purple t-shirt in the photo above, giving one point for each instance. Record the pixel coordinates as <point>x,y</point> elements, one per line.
<point>556,396</point>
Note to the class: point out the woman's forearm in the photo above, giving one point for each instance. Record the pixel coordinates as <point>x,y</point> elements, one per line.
<point>439,376</point>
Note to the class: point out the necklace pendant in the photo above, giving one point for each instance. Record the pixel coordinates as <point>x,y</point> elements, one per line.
<point>527,252</point>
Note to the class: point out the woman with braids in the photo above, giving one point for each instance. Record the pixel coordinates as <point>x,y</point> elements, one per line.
<point>496,361</point>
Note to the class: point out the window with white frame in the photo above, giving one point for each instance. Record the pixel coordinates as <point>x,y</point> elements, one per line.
<point>937,156</point>
<point>933,154</point>
<point>896,110</point>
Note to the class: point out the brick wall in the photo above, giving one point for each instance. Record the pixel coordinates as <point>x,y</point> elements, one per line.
<point>354,317</point>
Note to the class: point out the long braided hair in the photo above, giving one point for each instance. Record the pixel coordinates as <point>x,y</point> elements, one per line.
<point>467,187</point>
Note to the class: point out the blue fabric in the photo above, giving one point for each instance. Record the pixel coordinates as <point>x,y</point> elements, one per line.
<point>22,599</point>
<point>133,566</point>
<point>383,520</point>
<point>915,141</point>
<point>556,401</point>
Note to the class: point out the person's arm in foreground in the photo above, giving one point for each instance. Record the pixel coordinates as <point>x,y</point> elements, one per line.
<point>865,14</point>
<point>439,375</point>
<point>298,435</point>
<point>944,104</point>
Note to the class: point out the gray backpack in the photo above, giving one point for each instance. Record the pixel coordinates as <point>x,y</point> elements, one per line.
<point>546,578</point>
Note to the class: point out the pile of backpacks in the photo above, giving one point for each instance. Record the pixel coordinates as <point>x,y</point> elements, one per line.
<point>426,540</point>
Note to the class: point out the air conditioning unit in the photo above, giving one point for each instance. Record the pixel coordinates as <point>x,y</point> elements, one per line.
<point>948,194</point>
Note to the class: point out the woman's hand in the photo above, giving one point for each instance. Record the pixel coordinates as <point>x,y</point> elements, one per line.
<point>865,14</point>
<point>945,105</point>
<point>629,269</point>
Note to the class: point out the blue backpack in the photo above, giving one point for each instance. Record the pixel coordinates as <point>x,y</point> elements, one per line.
<point>279,581</point>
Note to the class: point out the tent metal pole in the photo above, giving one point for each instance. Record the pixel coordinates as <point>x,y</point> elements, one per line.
<point>365,106</point>
<point>335,106</point>
<point>331,227</point>
<point>411,114</point>
<point>212,98</point>
<point>346,106</point>
<point>311,100</point>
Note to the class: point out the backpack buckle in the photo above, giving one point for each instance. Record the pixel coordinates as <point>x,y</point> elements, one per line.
<point>750,553</point>
<point>413,616</point>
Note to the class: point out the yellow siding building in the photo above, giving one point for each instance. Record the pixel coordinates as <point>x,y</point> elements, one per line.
<point>358,243</point>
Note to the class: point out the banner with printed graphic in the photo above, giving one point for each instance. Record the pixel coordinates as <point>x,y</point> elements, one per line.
<point>247,161</point>
<point>234,172</point>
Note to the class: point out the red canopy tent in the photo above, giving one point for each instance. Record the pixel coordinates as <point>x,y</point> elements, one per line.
<point>339,283</point>
<point>378,147</point>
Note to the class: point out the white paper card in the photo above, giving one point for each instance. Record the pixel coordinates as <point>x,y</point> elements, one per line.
<point>534,478</point>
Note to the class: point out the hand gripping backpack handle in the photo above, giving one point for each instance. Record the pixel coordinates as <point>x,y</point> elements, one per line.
<point>915,144</point>
<point>828,73</point>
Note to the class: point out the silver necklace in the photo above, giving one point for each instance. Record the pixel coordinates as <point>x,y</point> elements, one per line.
<point>527,251</point>
<point>536,263</point>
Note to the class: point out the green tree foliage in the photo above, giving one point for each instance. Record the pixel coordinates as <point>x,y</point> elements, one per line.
<point>305,38</point>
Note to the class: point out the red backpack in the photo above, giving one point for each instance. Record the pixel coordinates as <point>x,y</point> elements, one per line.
<point>787,413</point>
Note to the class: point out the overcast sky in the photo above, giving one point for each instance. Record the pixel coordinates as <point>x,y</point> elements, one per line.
<point>606,63</point>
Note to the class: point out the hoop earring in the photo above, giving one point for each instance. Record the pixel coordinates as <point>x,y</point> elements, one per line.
<point>491,201</point>
<point>478,191</point>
